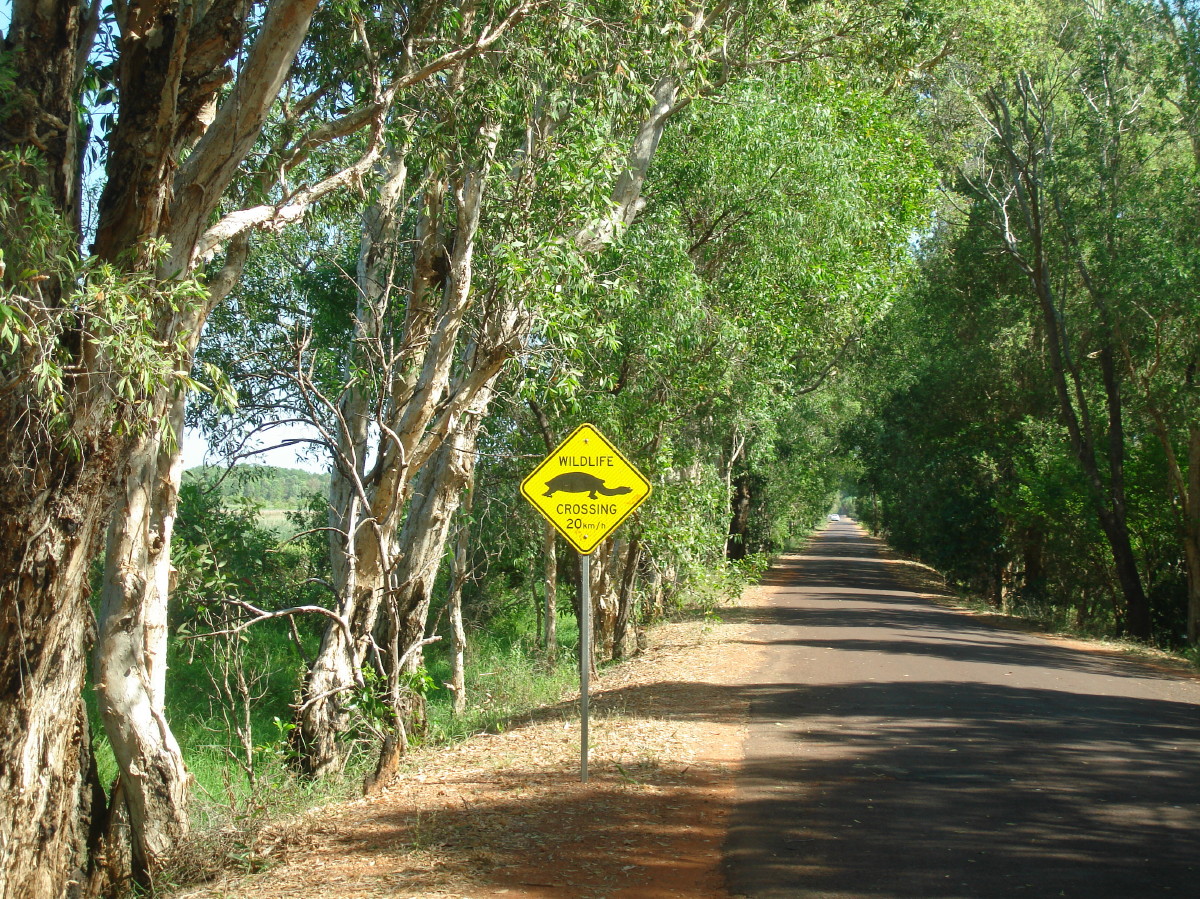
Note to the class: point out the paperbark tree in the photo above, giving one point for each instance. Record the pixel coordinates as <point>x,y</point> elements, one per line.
<point>130,654</point>
<point>171,63</point>
<point>417,406</point>
<point>438,491</point>
<point>412,424</point>
<point>504,332</point>
<point>402,376</point>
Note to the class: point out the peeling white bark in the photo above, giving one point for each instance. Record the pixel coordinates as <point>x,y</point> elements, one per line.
<point>415,425</point>
<point>130,654</point>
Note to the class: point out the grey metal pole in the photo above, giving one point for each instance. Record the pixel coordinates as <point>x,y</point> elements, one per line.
<point>585,657</point>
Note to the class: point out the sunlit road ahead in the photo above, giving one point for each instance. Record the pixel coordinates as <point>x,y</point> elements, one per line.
<point>898,748</point>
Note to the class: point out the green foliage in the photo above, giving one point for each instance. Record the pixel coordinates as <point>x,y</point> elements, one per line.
<point>223,553</point>
<point>57,307</point>
<point>966,458</point>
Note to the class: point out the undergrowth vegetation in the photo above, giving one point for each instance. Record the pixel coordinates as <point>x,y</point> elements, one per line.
<point>233,689</point>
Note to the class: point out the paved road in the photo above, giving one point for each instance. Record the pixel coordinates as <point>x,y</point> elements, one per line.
<point>898,748</point>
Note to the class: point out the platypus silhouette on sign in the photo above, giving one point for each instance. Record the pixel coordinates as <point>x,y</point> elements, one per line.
<point>581,482</point>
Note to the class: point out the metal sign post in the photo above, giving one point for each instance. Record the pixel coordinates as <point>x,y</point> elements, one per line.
<point>585,488</point>
<point>585,657</point>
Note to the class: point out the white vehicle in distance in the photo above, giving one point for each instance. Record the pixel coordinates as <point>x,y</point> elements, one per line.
<point>835,517</point>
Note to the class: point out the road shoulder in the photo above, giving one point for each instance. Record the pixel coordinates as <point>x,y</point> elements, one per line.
<point>505,814</point>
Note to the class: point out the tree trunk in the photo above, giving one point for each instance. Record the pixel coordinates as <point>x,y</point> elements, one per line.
<point>51,511</point>
<point>739,525</point>
<point>1186,487</point>
<point>458,651</point>
<point>550,576</point>
<point>625,597</point>
<point>1137,604</point>
<point>626,196</point>
<point>130,657</point>
<point>458,635</point>
<point>365,508</point>
<point>437,493</point>
<point>605,561</point>
<point>52,503</point>
<point>337,669</point>
<point>1107,500</point>
<point>604,606</point>
<point>653,610</point>
<point>334,672</point>
<point>1192,536</point>
<point>1033,577</point>
<point>549,548</point>
<point>54,39</point>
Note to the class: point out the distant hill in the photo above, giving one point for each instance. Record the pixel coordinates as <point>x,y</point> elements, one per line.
<point>273,488</point>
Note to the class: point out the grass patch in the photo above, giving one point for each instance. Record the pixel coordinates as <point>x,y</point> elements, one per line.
<point>506,675</point>
<point>278,523</point>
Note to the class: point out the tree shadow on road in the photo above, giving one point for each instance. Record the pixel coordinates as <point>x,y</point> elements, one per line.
<point>969,789</point>
<point>1001,765</point>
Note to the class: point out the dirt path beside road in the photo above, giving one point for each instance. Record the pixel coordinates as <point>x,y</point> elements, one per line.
<point>504,815</point>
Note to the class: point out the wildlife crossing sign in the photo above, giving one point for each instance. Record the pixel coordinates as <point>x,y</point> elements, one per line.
<point>585,488</point>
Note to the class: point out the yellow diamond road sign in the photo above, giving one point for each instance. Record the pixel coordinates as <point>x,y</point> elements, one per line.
<point>585,488</point>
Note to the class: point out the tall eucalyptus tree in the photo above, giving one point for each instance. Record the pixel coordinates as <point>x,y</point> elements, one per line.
<point>1084,150</point>
<point>96,347</point>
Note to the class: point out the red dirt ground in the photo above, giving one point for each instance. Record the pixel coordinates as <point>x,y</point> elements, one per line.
<point>505,815</point>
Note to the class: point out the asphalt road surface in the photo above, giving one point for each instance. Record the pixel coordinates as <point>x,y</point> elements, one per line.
<point>900,748</point>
